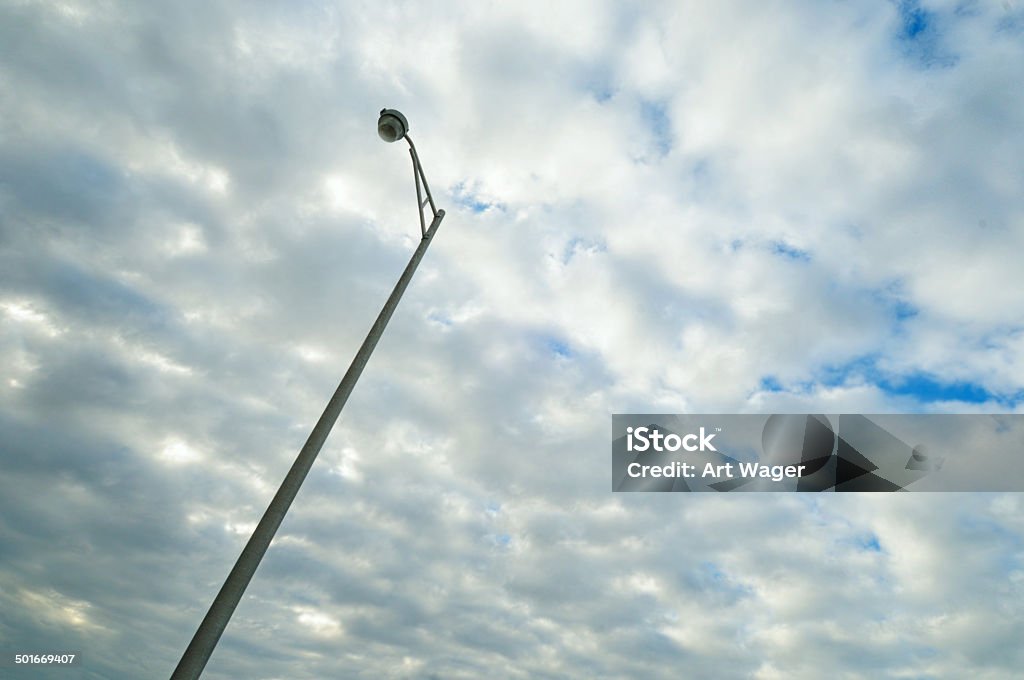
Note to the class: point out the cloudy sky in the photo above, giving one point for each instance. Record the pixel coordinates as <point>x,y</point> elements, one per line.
<point>667,207</point>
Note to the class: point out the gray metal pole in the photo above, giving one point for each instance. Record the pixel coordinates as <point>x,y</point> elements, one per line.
<point>199,650</point>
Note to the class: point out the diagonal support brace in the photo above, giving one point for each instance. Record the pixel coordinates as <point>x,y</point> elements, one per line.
<point>421,188</point>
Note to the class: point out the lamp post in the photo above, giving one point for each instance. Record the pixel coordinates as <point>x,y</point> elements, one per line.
<point>391,127</point>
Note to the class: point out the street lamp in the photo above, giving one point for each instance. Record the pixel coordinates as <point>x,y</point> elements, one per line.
<point>391,127</point>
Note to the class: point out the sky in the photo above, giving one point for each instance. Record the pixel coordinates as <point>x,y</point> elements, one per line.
<point>657,207</point>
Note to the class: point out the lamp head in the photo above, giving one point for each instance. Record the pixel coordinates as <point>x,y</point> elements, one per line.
<point>392,125</point>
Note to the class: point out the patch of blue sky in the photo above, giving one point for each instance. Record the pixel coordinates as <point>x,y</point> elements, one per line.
<point>499,541</point>
<point>904,310</point>
<point>470,199</point>
<point>869,543</point>
<point>597,80</point>
<point>578,244</point>
<point>655,117</point>
<point>559,348</point>
<point>1012,21</point>
<point>701,170</point>
<point>776,247</point>
<point>770,383</point>
<point>570,249</point>
<point>893,297</point>
<point>914,20</point>
<point>708,577</point>
<point>602,92</point>
<point>439,318</point>
<point>920,386</point>
<point>919,38</point>
<point>697,178</point>
<point>928,389</point>
<point>712,571</point>
<point>785,250</point>
<point>860,368</point>
<point>864,541</point>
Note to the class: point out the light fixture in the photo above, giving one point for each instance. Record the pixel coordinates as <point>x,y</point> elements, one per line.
<point>392,125</point>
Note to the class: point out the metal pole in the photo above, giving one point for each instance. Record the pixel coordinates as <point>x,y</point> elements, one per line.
<point>203,642</point>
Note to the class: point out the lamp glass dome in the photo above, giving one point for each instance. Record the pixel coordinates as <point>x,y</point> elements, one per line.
<point>392,125</point>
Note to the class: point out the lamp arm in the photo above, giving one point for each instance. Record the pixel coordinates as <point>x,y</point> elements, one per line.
<point>419,176</point>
